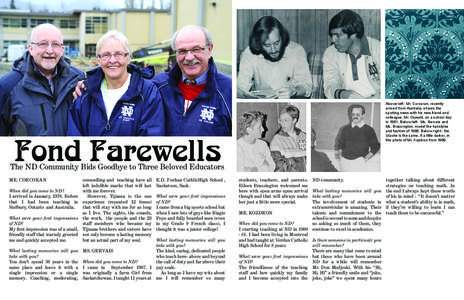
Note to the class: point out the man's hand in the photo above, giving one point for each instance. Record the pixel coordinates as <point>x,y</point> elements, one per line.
<point>80,87</point>
<point>374,96</point>
<point>299,91</point>
<point>368,156</point>
<point>285,93</point>
<point>265,94</point>
<point>350,94</point>
<point>247,95</point>
<point>292,90</point>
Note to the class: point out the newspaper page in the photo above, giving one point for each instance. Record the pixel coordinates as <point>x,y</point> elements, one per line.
<point>197,217</point>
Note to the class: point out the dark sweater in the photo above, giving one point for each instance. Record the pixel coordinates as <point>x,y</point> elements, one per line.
<point>356,142</point>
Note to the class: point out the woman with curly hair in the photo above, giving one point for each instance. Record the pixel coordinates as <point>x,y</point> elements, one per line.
<point>253,154</point>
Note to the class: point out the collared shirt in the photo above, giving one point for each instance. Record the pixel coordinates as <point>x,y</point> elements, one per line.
<point>50,81</point>
<point>354,59</point>
<point>361,74</point>
<point>201,79</point>
<point>360,124</point>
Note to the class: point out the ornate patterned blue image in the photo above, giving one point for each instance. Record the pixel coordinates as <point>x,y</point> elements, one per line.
<point>424,54</point>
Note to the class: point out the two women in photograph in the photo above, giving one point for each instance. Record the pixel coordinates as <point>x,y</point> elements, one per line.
<point>287,150</point>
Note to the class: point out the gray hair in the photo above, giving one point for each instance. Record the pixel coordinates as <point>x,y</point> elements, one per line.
<point>208,37</point>
<point>40,26</point>
<point>115,35</point>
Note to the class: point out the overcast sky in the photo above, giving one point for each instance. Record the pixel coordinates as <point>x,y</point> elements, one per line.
<point>69,5</point>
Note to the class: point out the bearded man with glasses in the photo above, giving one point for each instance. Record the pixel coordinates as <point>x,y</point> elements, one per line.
<point>273,66</point>
<point>118,100</point>
<point>36,95</point>
<point>197,98</point>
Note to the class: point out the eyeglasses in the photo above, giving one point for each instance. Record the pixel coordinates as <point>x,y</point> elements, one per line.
<point>45,45</point>
<point>183,52</point>
<point>106,56</point>
<point>274,45</point>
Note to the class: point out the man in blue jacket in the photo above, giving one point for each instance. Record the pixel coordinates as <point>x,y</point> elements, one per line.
<point>36,95</point>
<point>197,98</point>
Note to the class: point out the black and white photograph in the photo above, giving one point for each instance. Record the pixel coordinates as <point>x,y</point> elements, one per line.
<point>345,137</point>
<point>307,53</point>
<point>161,147</point>
<point>271,137</point>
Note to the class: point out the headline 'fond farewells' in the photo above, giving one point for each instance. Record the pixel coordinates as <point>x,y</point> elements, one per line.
<point>195,150</point>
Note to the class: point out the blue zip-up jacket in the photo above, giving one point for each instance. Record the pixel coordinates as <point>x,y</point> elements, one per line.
<point>209,114</point>
<point>138,112</point>
<point>28,107</point>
